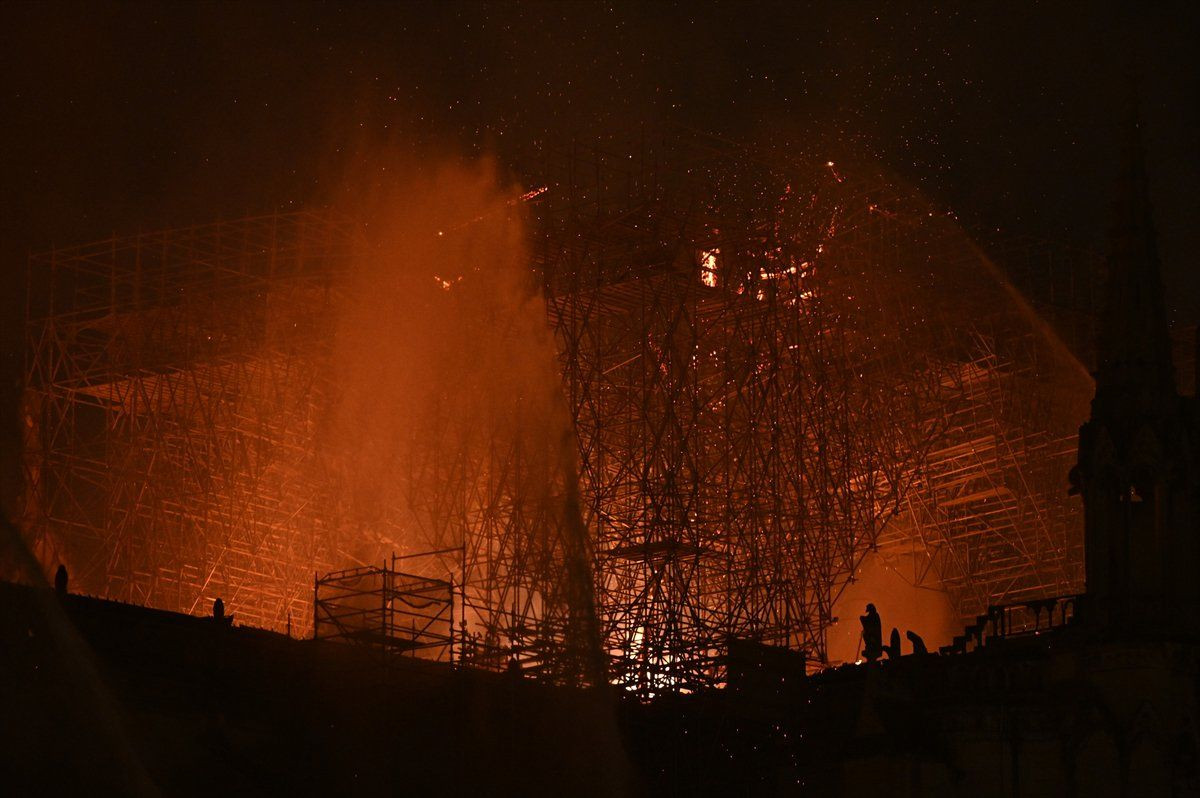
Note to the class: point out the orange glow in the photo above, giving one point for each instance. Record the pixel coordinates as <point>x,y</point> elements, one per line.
<point>709,267</point>
<point>729,459</point>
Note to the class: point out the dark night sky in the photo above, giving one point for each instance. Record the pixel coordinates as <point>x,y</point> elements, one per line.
<point>127,117</point>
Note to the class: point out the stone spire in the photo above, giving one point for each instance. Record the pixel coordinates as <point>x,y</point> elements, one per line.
<point>1133,344</point>
<point>1137,466</point>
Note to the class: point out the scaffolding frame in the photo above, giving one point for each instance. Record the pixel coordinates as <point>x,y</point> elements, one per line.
<point>389,610</point>
<point>171,406</point>
<point>840,359</point>
<point>772,367</point>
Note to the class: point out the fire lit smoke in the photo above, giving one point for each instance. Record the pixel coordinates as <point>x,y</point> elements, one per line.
<point>428,332</point>
<point>449,427</point>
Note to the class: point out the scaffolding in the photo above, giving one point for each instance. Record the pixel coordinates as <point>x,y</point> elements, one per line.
<point>776,365</point>
<point>172,406</point>
<point>771,366</point>
<point>388,610</point>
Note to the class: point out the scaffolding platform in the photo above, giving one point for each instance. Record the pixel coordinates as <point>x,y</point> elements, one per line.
<point>387,609</point>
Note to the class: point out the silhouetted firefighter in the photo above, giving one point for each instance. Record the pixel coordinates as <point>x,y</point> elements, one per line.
<point>893,646</point>
<point>872,634</point>
<point>219,613</point>
<point>918,643</point>
<point>60,580</point>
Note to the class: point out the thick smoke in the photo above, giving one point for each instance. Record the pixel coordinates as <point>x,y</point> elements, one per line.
<point>450,427</point>
<point>439,330</point>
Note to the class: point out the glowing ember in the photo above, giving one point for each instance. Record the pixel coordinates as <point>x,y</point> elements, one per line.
<point>709,267</point>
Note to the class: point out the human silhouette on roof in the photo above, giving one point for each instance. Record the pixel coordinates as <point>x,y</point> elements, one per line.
<point>872,634</point>
<point>219,613</point>
<point>893,646</point>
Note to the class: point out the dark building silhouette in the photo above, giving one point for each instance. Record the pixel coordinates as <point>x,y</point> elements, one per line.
<point>1137,468</point>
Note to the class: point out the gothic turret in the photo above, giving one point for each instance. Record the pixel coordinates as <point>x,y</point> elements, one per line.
<point>1137,466</point>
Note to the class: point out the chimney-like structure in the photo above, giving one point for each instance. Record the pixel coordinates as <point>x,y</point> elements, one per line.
<point>1137,467</point>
